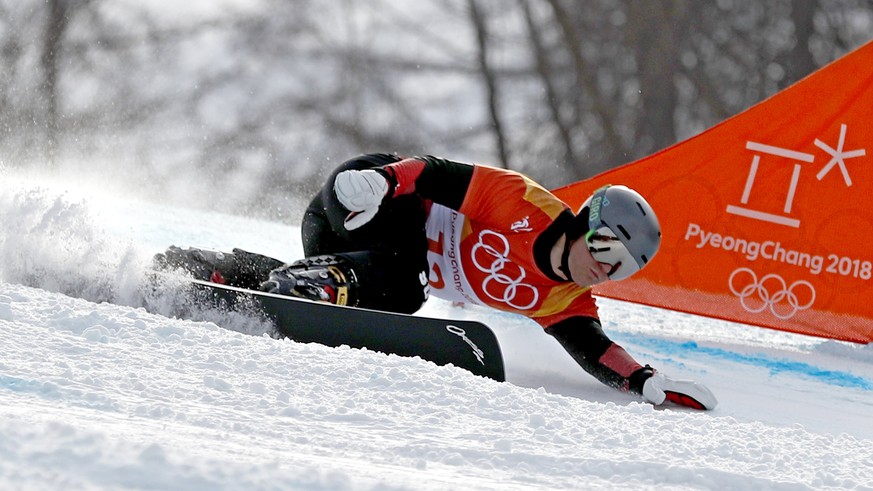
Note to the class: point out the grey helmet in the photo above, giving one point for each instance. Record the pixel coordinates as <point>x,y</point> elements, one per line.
<point>622,229</point>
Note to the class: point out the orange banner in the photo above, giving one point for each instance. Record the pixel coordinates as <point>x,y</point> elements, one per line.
<point>767,218</point>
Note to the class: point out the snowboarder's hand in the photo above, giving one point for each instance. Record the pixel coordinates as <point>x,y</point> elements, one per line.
<point>660,388</point>
<point>361,192</point>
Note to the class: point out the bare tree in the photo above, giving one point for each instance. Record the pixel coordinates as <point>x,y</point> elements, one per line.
<point>260,103</point>
<point>57,20</point>
<point>546,74</point>
<point>489,81</point>
<point>590,98</point>
<point>798,62</point>
<point>654,32</point>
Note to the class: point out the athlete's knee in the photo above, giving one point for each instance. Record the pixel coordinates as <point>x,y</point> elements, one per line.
<point>388,281</point>
<point>411,297</point>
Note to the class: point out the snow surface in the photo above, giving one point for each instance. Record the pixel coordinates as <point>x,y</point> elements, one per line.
<point>96,395</point>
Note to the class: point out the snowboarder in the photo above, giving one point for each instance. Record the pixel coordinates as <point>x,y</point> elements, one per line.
<point>385,232</point>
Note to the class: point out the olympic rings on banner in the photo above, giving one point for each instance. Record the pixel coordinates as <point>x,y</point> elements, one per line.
<point>497,271</point>
<point>758,289</point>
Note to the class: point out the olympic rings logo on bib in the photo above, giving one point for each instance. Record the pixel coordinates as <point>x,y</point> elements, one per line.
<point>491,255</point>
<point>753,291</point>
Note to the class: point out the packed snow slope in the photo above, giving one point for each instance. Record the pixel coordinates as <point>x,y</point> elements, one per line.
<point>96,393</point>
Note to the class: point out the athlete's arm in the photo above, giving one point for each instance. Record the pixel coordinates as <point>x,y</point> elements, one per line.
<point>477,191</point>
<point>480,192</point>
<point>584,339</point>
<point>608,362</point>
<point>440,180</point>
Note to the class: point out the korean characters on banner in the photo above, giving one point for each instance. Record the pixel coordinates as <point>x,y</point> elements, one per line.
<point>759,289</point>
<point>767,218</point>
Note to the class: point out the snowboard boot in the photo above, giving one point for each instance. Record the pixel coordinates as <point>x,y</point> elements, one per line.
<point>320,278</point>
<point>240,268</point>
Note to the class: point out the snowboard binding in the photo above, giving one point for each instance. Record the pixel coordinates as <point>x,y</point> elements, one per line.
<point>318,278</point>
<point>239,268</point>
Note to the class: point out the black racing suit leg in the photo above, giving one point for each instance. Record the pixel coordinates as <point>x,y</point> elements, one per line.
<point>388,255</point>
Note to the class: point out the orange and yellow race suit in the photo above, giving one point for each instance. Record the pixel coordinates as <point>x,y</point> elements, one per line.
<point>488,235</point>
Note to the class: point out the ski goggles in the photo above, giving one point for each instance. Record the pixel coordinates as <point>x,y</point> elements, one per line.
<point>607,248</point>
<point>604,244</point>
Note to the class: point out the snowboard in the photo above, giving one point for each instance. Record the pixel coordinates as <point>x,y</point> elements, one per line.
<point>465,344</point>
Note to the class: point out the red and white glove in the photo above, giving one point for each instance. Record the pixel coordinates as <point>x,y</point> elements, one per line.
<point>361,192</point>
<point>660,388</point>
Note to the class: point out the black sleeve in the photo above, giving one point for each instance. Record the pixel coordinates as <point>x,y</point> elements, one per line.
<point>585,341</point>
<point>444,181</point>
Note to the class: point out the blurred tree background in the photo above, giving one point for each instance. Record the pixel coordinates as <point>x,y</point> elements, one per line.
<point>244,106</point>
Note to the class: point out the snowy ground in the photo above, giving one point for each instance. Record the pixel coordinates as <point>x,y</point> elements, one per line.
<point>95,395</point>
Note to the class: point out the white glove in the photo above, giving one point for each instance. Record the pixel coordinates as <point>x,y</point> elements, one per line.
<point>361,192</point>
<point>660,388</point>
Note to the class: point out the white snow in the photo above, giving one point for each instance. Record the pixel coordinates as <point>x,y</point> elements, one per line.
<point>95,395</point>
